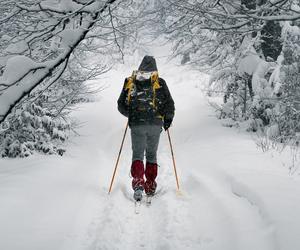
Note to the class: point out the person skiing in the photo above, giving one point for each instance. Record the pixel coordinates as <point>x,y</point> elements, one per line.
<point>146,101</point>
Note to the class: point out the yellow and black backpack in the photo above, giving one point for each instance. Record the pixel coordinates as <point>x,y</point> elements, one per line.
<point>141,95</point>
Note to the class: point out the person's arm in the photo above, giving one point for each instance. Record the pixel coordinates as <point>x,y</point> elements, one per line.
<point>122,105</point>
<point>169,106</point>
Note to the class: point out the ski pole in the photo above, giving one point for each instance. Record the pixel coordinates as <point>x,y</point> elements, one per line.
<point>173,158</point>
<point>117,162</point>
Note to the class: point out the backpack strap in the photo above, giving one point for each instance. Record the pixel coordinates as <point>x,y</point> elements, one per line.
<point>155,86</point>
<point>129,85</point>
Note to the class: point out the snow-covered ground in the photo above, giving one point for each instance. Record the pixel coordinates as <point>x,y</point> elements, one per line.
<point>234,197</point>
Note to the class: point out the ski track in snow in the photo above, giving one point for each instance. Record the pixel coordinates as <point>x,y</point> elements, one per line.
<point>214,211</point>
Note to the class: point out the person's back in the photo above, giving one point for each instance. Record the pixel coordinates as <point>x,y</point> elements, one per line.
<point>146,101</point>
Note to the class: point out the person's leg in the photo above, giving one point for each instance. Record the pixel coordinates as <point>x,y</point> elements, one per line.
<point>138,142</point>
<point>151,174</point>
<point>153,135</point>
<point>152,141</point>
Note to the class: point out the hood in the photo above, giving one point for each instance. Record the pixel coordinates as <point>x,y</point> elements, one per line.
<point>148,64</point>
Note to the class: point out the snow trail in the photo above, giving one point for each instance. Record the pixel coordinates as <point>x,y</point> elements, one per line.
<point>207,216</point>
<point>62,202</point>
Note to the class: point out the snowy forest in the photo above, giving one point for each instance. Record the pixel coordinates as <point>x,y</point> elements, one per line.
<point>250,49</point>
<point>233,69</point>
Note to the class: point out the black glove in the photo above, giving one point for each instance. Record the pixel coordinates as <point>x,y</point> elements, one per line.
<point>167,123</point>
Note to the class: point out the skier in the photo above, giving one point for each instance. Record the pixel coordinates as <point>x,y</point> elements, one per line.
<point>146,101</point>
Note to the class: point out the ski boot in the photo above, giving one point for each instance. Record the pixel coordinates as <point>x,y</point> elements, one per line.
<point>138,194</point>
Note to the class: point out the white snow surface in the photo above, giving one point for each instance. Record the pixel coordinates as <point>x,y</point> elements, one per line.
<point>233,196</point>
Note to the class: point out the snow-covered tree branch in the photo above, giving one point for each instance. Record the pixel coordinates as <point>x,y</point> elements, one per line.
<point>246,46</point>
<point>27,56</point>
<point>211,31</point>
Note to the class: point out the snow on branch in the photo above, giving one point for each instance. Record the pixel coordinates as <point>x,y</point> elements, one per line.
<point>17,68</point>
<point>64,7</point>
<point>22,74</point>
<point>231,15</point>
<point>10,15</point>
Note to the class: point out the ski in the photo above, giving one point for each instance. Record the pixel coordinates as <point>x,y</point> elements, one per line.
<point>137,207</point>
<point>142,199</point>
<point>148,200</point>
